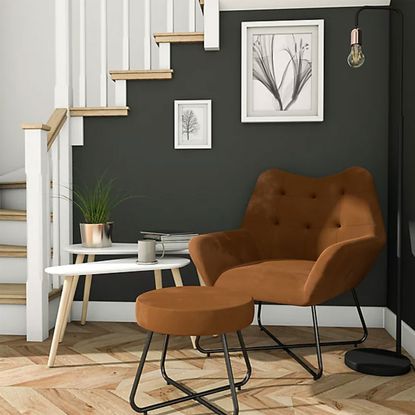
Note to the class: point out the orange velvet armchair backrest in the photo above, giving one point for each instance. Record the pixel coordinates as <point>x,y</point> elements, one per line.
<point>297,217</point>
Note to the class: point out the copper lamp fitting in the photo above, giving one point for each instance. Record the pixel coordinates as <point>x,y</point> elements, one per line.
<point>356,36</point>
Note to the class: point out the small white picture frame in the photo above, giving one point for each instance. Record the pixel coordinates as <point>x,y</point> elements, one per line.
<point>192,124</point>
<point>282,71</point>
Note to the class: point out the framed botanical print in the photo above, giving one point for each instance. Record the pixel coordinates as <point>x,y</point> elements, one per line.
<point>192,124</point>
<point>282,71</point>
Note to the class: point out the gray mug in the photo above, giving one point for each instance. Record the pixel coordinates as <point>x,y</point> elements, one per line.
<point>147,251</point>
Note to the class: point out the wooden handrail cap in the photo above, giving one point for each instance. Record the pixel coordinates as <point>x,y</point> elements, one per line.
<point>43,127</point>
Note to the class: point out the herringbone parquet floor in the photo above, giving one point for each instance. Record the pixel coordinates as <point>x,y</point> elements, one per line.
<point>96,365</point>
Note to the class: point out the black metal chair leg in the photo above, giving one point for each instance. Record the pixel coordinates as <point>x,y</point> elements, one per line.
<point>281,346</point>
<point>362,319</point>
<point>318,347</point>
<point>139,373</point>
<point>230,375</point>
<point>247,361</point>
<point>259,316</point>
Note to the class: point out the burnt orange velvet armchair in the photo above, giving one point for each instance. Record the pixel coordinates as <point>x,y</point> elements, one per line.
<point>303,241</point>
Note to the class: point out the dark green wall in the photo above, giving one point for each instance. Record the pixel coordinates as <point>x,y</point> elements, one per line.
<point>408,8</point>
<point>207,190</point>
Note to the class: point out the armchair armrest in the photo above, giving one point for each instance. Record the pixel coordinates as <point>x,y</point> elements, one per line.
<point>340,267</point>
<point>214,253</point>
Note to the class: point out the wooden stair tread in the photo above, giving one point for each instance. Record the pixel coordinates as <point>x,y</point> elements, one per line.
<point>99,111</point>
<point>13,215</point>
<point>179,37</point>
<point>13,251</point>
<point>13,185</point>
<point>16,293</point>
<point>135,75</point>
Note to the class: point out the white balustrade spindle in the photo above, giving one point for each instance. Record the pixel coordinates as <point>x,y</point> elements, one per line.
<point>147,34</point>
<point>55,211</point>
<point>170,16</point>
<point>192,16</point>
<point>82,53</point>
<point>104,60</point>
<point>121,85</point>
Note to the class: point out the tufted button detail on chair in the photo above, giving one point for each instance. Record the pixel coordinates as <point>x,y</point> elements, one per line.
<point>338,225</point>
<point>282,192</point>
<point>276,222</point>
<point>313,196</point>
<point>307,226</point>
<point>342,191</point>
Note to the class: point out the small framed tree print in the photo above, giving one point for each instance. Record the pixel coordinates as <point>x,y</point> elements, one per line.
<point>282,71</point>
<point>193,124</point>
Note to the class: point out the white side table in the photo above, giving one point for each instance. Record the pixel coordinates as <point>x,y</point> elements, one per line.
<point>72,273</point>
<point>116,249</point>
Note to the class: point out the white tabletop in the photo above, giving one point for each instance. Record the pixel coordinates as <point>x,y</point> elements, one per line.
<point>118,249</point>
<point>115,266</point>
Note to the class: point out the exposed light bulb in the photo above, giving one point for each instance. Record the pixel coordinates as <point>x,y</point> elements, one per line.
<point>356,57</point>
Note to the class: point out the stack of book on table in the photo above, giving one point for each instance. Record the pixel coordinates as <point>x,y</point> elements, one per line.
<point>172,241</point>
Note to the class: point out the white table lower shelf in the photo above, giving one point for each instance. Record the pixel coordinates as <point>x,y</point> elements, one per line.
<point>72,273</point>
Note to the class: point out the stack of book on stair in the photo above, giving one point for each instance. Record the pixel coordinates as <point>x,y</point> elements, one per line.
<point>173,241</point>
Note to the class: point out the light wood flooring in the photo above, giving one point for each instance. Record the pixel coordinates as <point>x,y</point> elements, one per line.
<point>96,364</point>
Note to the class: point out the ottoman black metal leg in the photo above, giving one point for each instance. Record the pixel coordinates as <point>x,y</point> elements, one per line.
<point>197,396</point>
<point>230,374</point>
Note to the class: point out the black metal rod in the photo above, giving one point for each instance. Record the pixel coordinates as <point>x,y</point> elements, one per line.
<point>190,394</point>
<point>399,207</point>
<point>318,347</point>
<point>283,346</point>
<point>230,374</point>
<point>247,361</point>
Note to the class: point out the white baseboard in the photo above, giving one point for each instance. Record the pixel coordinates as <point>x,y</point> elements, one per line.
<point>274,315</point>
<point>408,334</point>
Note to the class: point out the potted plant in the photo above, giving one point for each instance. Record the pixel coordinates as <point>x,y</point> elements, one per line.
<point>96,203</point>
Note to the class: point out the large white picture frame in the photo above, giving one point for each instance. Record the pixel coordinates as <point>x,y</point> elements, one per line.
<point>282,71</point>
<point>192,124</point>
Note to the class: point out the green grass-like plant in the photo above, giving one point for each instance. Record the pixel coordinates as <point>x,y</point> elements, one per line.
<point>97,201</point>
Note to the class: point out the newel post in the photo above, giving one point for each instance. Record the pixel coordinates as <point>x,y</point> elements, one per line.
<point>211,24</point>
<point>37,180</point>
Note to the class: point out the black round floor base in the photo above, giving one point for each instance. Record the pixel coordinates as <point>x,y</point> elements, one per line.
<point>377,362</point>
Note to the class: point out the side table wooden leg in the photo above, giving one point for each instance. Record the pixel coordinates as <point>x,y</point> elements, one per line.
<point>74,283</point>
<point>87,291</point>
<point>60,320</point>
<point>158,279</point>
<point>72,290</point>
<point>201,282</point>
<point>177,277</point>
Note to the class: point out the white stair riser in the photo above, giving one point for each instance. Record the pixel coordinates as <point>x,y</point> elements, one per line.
<point>12,270</point>
<point>13,199</point>
<point>13,232</point>
<point>13,317</point>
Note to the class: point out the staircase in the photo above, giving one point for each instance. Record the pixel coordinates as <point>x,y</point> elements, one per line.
<point>29,240</point>
<point>13,253</point>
